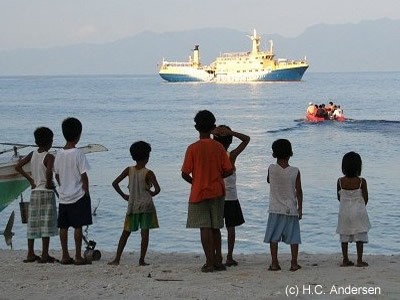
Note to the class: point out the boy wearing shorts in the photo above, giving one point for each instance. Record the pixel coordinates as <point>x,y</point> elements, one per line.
<point>70,167</point>
<point>205,167</point>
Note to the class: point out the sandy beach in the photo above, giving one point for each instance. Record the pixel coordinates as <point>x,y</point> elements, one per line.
<point>178,276</point>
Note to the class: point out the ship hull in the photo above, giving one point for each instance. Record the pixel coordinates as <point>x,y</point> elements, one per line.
<point>290,74</point>
<point>293,74</point>
<point>171,77</point>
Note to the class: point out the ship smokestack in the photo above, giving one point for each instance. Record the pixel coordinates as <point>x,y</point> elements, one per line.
<point>196,57</point>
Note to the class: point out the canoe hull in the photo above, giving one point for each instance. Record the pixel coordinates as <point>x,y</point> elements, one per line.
<point>12,184</point>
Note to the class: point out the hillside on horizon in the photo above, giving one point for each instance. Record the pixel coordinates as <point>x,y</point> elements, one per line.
<point>368,46</point>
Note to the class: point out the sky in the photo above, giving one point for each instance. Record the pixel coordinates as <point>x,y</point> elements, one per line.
<point>50,23</point>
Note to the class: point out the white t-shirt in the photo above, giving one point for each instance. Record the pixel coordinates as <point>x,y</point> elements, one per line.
<point>338,112</point>
<point>70,164</point>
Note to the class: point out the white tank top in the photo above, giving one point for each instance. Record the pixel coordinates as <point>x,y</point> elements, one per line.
<point>38,170</point>
<point>282,195</point>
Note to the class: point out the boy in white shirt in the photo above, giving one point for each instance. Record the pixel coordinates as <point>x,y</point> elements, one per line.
<point>70,167</point>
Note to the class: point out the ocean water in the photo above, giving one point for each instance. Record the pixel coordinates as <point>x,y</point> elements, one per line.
<point>118,110</point>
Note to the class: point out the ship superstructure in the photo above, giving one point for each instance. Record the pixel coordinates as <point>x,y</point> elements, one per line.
<point>236,67</point>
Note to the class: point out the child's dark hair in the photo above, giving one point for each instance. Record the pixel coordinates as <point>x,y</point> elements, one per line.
<point>225,140</point>
<point>205,121</point>
<point>351,164</point>
<point>71,129</point>
<point>282,149</point>
<point>43,136</point>
<point>140,150</point>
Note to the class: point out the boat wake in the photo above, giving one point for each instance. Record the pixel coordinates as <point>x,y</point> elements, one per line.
<point>386,127</point>
<point>299,125</point>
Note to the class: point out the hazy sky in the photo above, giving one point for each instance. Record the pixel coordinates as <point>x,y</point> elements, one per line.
<point>48,23</point>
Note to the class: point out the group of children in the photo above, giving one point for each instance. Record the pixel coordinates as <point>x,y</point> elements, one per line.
<point>74,210</point>
<point>209,167</point>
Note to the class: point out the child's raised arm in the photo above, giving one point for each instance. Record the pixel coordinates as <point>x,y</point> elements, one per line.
<point>239,149</point>
<point>19,169</point>
<point>151,178</point>
<point>299,196</point>
<point>116,182</point>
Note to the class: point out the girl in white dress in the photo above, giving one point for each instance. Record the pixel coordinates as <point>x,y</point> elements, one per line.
<point>353,222</point>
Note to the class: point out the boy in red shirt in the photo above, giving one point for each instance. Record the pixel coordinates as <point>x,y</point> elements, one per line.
<point>205,167</point>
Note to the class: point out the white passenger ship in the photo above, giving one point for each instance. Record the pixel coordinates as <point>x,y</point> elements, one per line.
<point>236,67</point>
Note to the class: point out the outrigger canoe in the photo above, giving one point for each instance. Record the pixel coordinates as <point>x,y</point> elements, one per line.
<point>13,184</point>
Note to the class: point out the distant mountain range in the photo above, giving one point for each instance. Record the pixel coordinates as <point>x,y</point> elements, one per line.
<point>368,46</point>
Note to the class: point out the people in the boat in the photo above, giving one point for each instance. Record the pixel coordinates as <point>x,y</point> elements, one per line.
<point>311,109</point>
<point>321,113</point>
<point>331,111</point>
<point>338,112</point>
<point>330,106</point>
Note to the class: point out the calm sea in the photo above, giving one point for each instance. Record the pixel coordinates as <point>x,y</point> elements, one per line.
<point>118,110</point>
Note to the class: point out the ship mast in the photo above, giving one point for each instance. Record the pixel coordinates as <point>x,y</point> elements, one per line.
<point>256,42</point>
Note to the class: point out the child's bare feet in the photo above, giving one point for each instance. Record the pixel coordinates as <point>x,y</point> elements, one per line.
<point>220,267</point>
<point>347,263</point>
<point>274,267</point>
<point>142,262</point>
<point>207,269</point>
<point>48,259</point>
<point>231,262</point>
<point>361,264</point>
<point>294,268</point>
<point>114,262</point>
<point>67,261</point>
<point>31,258</point>
<point>82,261</point>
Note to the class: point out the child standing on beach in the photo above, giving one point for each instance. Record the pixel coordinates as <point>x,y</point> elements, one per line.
<point>353,222</point>
<point>232,211</point>
<point>71,167</point>
<point>205,166</point>
<point>285,204</point>
<point>42,217</point>
<point>141,210</point>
